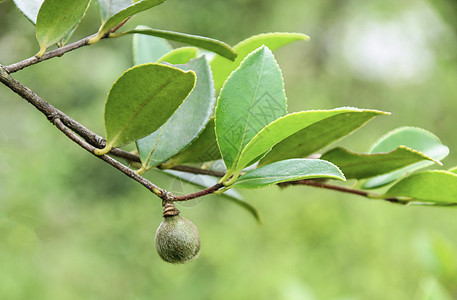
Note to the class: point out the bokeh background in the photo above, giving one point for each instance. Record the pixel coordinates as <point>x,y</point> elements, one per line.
<point>72,227</point>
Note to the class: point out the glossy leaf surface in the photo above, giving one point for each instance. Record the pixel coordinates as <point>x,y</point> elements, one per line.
<point>288,170</point>
<point>186,123</point>
<point>252,97</point>
<point>364,165</point>
<point>411,137</point>
<point>429,186</point>
<point>180,56</point>
<point>142,99</point>
<point>314,137</point>
<point>282,128</point>
<point>56,19</point>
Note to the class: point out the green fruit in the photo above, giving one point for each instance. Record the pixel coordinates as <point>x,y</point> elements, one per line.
<point>177,240</point>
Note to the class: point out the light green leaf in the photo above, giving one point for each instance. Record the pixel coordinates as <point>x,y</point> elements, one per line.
<point>252,97</point>
<point>114,12</point>
<point>202,42</point>
<point>180,56</point>
<point>141,100</point>
<point>202,149</point>
<point>29,8</point>
<point>206,181</point>
<point>427,186</point>
<point>314,137</point>
<point>222,67</point>
<point>186,123</point>
<point>288,170</point>
<point>453,170</point>
<point>148,49</point>
<point>281,129</point>
<point>361,165</point>
<point>411,137</point>
<point>56,19</point>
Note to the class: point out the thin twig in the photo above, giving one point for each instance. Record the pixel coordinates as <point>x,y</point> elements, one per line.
<point>340,189</point>
<point>124,169</point>
<point>198,194</point>
<point>194,170</point>
<point>58,52</point>
<point>48,55</point>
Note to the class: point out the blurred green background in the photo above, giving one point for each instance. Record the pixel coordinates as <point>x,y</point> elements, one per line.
<point>72,227</point>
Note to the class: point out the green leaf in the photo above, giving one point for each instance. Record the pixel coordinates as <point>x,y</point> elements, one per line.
<point>453,170</point>
<point>222,67</point>
<point>288,170</point>
<point>202,149</point>
<point>359,166</point>
<point>29,8</point>
<point>252,97</point>
<point>180,56</point>
<point>206,181</point>
<point>148,49</point>
<point>56,19</point>
<point>281,129</point>
<point>427,186</point>
<point>114,12</point>
<point>412,137</point>
<point>186,123</point>
<point>314,137</point>
<point>141,100</point>
<point>206,43</point>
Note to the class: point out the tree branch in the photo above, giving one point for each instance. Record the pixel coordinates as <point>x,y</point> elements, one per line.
<point>48,55</point>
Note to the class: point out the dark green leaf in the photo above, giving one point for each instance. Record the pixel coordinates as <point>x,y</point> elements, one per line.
<point>56,19</point>
<point>252,97</point>
<point>361,165</point>
<point>427,186</point>
<point>114,12</point>
<point>186,123</point>
<point>209,44</point>
<point>141,100</point>
<point>206,181</point>
<point>222,67</point>
<point>180,56</point>
<point>202,149</point>
<point>148,49</point>
<point>288,170</point>
<point>29,8</point>
<point>314,137</point>
<point>412,137</point>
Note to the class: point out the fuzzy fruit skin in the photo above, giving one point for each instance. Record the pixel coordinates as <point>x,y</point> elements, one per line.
<point>177,240</point>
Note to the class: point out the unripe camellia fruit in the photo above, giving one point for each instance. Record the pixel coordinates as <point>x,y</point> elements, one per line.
<point>177,240</point>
